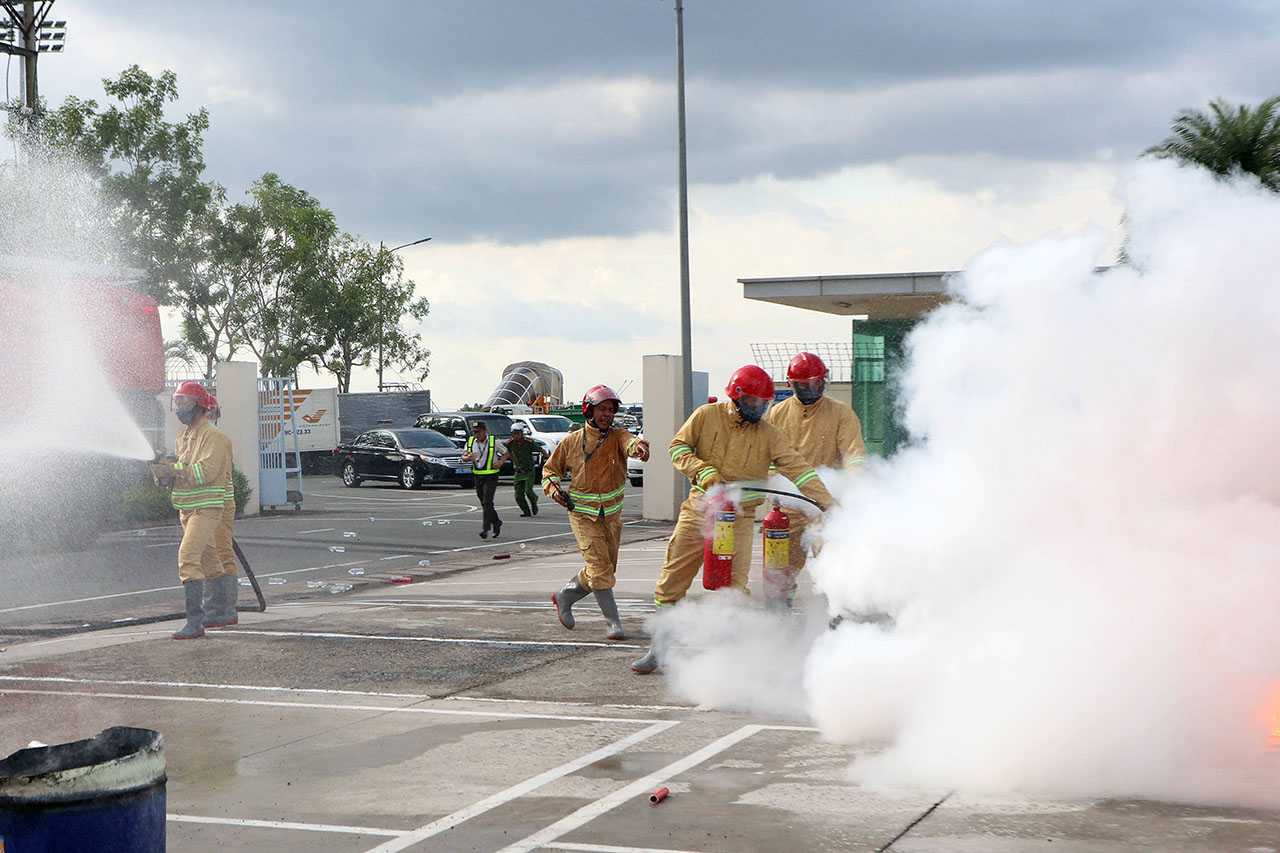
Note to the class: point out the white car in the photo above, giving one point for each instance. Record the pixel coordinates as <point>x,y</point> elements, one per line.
<point>549,429</point>
<point>635,471</point>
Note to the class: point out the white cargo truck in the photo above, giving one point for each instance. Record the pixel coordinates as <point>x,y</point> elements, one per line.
<point>324,419</point>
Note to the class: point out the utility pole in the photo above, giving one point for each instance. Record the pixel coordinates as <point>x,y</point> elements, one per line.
<point>29,42</point>
<point>382,323</point>
<point>686,335</point>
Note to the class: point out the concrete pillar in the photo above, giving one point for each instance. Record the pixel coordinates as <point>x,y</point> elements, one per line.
<point>238,397</point>
<point>664,487</point>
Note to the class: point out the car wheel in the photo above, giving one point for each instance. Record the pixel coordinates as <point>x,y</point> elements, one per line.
<point>349,477</point>
<point>637,481</point>
<point>409,477</point>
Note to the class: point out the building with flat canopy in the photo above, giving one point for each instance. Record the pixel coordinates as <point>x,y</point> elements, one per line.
<point>883,308</point>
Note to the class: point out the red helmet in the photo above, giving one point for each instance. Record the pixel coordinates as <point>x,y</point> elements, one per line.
<point>750,380</point>
<point>806,367</point>
<point>197,392</point>
<point>598,394</point>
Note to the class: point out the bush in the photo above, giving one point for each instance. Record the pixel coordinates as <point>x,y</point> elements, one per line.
<point>243,491</point>
<point>145,502</point>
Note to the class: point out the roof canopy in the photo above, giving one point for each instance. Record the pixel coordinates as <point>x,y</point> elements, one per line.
<point>889,296</point>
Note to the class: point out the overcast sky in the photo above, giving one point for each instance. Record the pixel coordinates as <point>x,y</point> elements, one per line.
<point>535,142</point>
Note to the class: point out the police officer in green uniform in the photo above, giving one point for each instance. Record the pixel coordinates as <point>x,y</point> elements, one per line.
<point>525,455</point>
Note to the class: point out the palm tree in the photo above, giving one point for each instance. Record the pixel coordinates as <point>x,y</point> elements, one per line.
<point>1233,139</point>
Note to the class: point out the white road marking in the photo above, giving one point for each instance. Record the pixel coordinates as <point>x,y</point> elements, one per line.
<point>610,848</point>
<point>396,557</point>
<point>644,785</point>
<point>452,641</point>
<point>282,824</point>
<point>368,694</point>
<point>328,706</point>
<point>161,545</point>
<point>516,791</point>
<point>317,530</point>
<point>166,588</point>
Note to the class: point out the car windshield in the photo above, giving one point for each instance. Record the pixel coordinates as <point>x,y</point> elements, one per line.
<point>422,438</point>
<point>499,426</point>
<point>551,423</point>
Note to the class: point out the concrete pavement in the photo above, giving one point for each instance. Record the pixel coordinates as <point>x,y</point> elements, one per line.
<point>455,713</point>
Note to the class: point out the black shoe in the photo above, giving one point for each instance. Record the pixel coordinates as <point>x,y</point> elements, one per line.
<point>497,528</point>
<point>484,534</point>
<point>525,514</point>
<point>535,507</point>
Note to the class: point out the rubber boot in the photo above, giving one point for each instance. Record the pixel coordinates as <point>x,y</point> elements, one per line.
<point>564,599</point>
<point>220,609</point>
<point>609,607</point>
<point>195,612</point>
<point>648,663</point>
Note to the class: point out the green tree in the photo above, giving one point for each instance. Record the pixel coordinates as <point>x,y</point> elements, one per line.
<point>367,297</point>
<point>150,170</point>
<point>280,245</point>
<point>1228,140</point>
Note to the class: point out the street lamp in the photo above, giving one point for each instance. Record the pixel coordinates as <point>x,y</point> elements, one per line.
<point>382,321</point>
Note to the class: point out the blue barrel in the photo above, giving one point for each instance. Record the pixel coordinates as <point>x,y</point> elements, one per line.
<point>105,793</point>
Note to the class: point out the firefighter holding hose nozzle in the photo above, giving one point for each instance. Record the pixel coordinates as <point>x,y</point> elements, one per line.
<point>202,494</point>
<point>825,431</point>
<point>726,442</point>
<point>595,457</point>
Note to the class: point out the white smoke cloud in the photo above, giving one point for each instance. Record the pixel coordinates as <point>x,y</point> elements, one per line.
<point>1082,549</point>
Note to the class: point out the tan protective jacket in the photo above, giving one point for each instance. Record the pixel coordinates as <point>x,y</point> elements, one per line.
<point>716,443</point>
<point>598,483</point>
<point>826,433</point>
<point>202,474</point>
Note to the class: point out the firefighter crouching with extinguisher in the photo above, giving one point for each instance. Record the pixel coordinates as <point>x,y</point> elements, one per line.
<point>201,481</point>
<point>595,458</point>
<point>726,442</point>
<point>824,431</point>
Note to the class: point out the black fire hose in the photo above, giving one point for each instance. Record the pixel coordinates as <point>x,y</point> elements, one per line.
<point>784,494</point>
<point>253,580</point>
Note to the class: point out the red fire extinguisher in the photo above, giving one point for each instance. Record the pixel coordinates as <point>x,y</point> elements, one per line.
<point>717,554</point>
<point>777,555</point>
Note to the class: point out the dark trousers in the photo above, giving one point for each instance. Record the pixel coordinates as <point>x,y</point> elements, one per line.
<point>486,488</point>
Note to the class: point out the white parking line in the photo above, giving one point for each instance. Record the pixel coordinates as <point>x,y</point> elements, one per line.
<point>317,530</point>
<point>165,588</point>
<point>610,848</point>
<point>282,824</point>
<point>644,785</point>
<point>328,706</point>
<point>453,641</point>
<point>516,791</point>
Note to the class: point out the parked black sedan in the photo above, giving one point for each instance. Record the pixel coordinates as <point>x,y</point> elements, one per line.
<point>414,457</point>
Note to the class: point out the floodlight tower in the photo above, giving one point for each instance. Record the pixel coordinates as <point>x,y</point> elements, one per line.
<point>29,23</point>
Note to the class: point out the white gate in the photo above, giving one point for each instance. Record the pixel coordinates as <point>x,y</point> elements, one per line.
<point>278,457</point>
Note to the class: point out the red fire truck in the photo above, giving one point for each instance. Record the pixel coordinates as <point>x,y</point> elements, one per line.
<point>81,368</point>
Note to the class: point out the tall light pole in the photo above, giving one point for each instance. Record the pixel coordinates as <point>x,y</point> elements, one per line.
<point>28,20</point>
<point>686,336</point>
<point>382,321</point>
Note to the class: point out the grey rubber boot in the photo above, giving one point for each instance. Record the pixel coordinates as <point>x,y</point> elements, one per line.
<point>564,599</point>
<point>648,663</point>
<point>195,612</point>
<point>609,607</point>
<point>220,608</point>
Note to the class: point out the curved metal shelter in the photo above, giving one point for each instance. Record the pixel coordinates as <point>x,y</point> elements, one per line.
<point>526,381</point>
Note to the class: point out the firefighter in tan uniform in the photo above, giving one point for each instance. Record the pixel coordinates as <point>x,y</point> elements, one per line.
<point>201,480</point>
<point>595,458</point>
<point>726,442</point>
<point>824,431</point>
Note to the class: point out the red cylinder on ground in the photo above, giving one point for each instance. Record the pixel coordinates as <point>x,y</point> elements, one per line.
<point>717,554</point>
<point>659,795</point>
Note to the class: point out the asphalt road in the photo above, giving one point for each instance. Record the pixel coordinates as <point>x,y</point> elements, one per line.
<point>367,535</point>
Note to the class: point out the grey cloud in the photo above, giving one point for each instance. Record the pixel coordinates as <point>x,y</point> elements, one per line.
<point>472,118</point>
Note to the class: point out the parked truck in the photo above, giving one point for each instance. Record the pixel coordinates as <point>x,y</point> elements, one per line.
<point>323,419</point>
